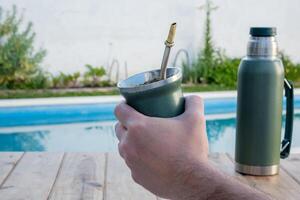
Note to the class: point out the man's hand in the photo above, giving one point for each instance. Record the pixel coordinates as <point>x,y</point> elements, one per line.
<point>169,156</point>
<point>162,153</point>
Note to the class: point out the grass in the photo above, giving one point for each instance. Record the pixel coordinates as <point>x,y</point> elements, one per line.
<point>205,88</point>
<point>18,94</point>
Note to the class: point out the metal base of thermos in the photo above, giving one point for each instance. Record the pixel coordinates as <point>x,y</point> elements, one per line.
<point>257,170</point>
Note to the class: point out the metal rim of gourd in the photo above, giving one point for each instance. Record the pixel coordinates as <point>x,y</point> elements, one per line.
<point>136,82</point>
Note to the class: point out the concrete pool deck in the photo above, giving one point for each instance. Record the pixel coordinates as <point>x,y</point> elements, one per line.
<point>104,99</point>
<point>44,175</point>
<point>96,99</point>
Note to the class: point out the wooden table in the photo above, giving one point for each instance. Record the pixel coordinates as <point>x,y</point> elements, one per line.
<point>44,175</point>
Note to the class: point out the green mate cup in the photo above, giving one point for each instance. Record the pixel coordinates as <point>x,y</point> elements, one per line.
<point>149,95</point>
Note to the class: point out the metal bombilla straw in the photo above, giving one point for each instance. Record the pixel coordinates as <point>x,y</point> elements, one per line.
<point>169,43</point>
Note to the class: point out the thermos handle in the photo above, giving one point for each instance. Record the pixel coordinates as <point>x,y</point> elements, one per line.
<point>287,140</point>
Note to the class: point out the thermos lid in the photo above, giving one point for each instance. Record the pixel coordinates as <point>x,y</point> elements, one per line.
<point>262,31</point>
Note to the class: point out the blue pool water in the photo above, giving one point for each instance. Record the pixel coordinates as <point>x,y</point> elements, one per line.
<point>58,114</point>
<point>90,127</point>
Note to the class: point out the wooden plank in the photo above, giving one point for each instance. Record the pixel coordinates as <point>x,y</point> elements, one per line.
<point>81,177</point>
<point>292,166</point>
<point>119,184</point>
<point>280,186</point>
<point>8,161</point>
<point>223,163</point>
<point>33,177</point>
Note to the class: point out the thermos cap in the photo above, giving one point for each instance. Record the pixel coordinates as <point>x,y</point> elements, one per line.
<point>262,31</point>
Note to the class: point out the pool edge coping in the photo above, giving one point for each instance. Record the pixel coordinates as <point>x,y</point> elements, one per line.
<point>103,99</point>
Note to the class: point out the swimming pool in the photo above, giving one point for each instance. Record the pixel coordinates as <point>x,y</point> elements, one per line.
<point>89,127</point>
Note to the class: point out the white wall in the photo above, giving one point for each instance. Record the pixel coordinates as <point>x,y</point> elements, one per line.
<point>77,32</point>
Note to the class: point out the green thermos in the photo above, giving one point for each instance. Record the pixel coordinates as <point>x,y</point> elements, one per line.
<point>259,107</point>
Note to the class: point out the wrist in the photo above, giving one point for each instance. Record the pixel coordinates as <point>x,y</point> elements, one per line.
<point>196,181</point>
<point>206,182</point>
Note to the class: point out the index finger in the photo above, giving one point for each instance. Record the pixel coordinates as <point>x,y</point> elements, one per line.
<point>193,104</point>
<point>193,107</point>
<point>125,114</point>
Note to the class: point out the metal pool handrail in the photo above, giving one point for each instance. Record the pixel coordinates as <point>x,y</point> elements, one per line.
<point>186,53</point>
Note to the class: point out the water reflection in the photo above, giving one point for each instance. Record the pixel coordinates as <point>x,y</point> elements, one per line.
<point>100,137</point>
<point>221,134</point>
<point>20,141</point>
<point>216,128</point>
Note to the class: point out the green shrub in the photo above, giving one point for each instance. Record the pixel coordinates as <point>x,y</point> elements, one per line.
<point>226,73</point>
<point>92,78</point>
<point>75,79</point>
<point>213,66</point>
<point>222,71</point>
<point>203,68</point>
<point>19,61</point>
<point>292,70</point>
<point>66,80</point>
<point>55,81</point>
<point>188,76</point>
<point>40,81</point>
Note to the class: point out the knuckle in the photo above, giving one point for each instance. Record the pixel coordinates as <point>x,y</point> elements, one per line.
<point>198,102</point>
<point>129,164</point>
<point>201,118</point>
<point>117,109</point>
<point>121,150</point>
<point>135,177</point>
<point>132,156</point>
<point>197,99</point>
<point>196,116</point>
<point>127,151</point>
<point>123,147</point>
<point>117,125</point>
<point>136,126</point>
